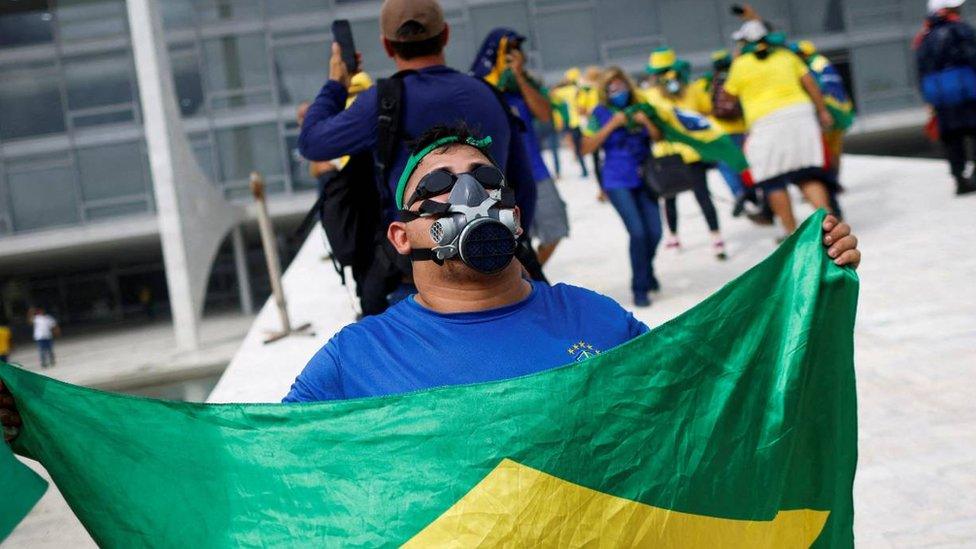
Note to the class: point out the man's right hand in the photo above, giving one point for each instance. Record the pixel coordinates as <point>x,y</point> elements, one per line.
<point>338,70</point>
<point>9,418</point>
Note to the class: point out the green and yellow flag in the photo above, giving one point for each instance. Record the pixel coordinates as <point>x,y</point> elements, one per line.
<point>733,425</point>
<point>698,132</point>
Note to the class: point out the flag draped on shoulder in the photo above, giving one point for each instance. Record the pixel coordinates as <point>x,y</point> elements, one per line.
<point>733,425</point>
<point>834,93</point>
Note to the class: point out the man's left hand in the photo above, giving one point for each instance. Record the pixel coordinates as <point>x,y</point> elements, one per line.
<point>841,244</point>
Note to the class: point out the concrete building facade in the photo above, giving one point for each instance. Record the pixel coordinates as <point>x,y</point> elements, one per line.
<point>79,214</point>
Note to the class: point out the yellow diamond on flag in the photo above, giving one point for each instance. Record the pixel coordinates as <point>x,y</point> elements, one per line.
<point>518,506</point>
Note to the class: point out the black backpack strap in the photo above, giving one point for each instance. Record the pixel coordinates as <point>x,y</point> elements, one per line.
<point>389,130</point>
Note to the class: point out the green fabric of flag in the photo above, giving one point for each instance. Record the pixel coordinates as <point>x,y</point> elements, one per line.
<point>732,425</point>
<point>20,488</point>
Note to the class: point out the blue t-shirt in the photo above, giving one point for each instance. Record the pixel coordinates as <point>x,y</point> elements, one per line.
<point>410,347</point>
<point>624,152</point>
<point>540,172</point>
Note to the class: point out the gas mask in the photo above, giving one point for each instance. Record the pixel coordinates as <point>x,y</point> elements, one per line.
<point>476,225</point>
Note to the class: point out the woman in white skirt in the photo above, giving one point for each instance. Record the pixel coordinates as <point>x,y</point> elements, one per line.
<point>785,113</point>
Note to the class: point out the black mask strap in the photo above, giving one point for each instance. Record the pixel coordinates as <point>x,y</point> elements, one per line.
<point>425,254</point>
<point>428,208</point>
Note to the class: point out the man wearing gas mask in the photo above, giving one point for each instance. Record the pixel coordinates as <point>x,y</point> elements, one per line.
<point>475,316</point>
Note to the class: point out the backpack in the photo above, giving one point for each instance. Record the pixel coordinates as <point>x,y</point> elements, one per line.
<point>352,213</point>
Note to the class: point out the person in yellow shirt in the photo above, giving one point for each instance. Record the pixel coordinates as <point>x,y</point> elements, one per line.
<point>784,111</point>
<point>670,91</point>
<point>564,98</point>
<point>5,337</point>
<point>588,99</point>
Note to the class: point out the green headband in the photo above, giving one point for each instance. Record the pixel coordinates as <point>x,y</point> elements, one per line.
<point>414,160</point>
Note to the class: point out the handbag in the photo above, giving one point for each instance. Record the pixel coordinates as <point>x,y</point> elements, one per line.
<point>668,175</point>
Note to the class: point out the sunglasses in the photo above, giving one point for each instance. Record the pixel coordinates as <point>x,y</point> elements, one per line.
<point>441,181</point>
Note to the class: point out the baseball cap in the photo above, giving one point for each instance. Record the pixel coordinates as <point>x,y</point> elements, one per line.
<point>427,13</point>
<point>751,31</point>
<point>936,5</point>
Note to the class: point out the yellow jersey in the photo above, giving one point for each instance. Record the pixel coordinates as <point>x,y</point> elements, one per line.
<point>766,86</point>
<point>587,98</point>
<point>660,101</point>
<point>4,340</point>
<point>566,95</point>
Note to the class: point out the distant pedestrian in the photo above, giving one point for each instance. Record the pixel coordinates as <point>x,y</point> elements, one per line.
<point>626,143</point>
<point>564,98</point>
<point>671,92</point>
<point>786,114</point>
<point>586,101</point>
<point>841,109</point>
<point>45,330</point>
<point>501,62</point>
<point>946,57</point>
<point>5,345</point>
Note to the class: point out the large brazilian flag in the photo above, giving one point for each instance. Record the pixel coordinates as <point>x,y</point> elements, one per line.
<point>733,425</point>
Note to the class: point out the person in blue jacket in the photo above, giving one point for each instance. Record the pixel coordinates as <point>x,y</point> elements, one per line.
<point>945,51</point>
<point>414,35</point>
<point>626,144</point>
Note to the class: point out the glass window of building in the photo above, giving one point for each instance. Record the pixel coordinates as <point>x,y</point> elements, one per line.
<point>82,19</point>
<point>42,194</point>
<point>297,7</point>
<point>237,71</point>
<point>301,68</point>
<point>562,47</point>
<point>25,23</point>
<point>875,13</point>
<point>186,76</point>
<point>100,89</point>
<point>30,101</point>
<point>228,10</point>
<point>112,172</point>
<point>177,14</point>
<point>245,149</point>
<point>817,16</point>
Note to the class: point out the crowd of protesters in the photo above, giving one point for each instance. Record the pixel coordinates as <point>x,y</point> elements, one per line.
<point>781,104</point>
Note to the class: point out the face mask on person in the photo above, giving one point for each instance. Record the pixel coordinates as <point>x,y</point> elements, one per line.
<point>477,223</point>
<point>620,98</point>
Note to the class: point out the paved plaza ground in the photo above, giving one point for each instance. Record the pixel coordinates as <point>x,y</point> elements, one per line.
<point>915,337</point>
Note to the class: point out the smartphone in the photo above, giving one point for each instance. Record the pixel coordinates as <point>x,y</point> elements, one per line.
<point>342,34</point>
<point>737,10</point>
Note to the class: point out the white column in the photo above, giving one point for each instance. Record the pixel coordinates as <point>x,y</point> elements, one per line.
<point>243,276</point>
<point>193,215</point>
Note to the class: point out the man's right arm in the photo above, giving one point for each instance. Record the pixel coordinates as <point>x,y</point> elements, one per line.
<point>331,131</point>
